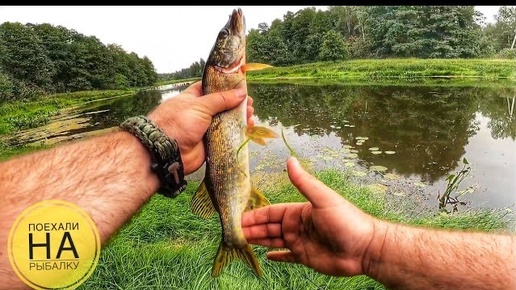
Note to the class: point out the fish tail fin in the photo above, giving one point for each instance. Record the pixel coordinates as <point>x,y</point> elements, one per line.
<point>226,255</point>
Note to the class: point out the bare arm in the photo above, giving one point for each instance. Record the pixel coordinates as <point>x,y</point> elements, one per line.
<point>403,257</point>
<point>334,237</point>
<point>109,176</point>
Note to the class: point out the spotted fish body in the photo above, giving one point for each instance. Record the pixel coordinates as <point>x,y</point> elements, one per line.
<point>226,188</point>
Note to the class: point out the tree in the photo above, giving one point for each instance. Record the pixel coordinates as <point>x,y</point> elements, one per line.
<point>333,47</point>
<point>502,33</point>
<point>24,57</point>
<point>424,31</point>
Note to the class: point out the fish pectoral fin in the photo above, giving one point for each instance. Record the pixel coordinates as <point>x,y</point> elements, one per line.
<point>226,255</point>
<point>258,134</point>
<point>256,200</point>
<point>201,204</point>
<point>255,66</point>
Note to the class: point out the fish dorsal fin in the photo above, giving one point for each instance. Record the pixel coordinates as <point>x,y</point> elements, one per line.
<point>258,133</point>
<point>201,203</point>
<point>256,200</point>
<point>254,66</point>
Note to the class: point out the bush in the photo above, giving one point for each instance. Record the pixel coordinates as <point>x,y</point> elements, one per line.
<point>507,53</point>
<point>6,88</point>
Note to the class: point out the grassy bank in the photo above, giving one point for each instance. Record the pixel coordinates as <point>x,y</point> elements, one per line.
<point>398,69</point>
<point>166,247</point>
<point>19,115</point>
<point>27,114</point>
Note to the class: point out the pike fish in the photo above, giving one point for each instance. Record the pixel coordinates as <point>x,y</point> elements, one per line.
<point>226,188</point>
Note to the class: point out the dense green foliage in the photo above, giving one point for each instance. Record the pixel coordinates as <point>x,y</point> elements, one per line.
<point>42,59</point>
<point>357,32</point>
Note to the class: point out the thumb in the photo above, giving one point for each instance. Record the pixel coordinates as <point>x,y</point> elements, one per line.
<point>313,189</point>
<point>222,101</point>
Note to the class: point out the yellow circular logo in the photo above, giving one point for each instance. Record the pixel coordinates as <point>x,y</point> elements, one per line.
<point>54,244</point>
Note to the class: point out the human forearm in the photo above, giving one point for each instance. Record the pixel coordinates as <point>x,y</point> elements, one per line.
<point>417,258</point>
<point>109,177</point>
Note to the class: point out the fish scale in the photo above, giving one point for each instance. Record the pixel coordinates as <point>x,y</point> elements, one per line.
<point>226,188</point>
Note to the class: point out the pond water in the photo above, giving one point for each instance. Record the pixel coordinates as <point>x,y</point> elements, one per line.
<point>418,134</point>
<point>421,133</point>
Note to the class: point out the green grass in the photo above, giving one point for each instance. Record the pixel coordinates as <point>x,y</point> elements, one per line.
<point>408,70</point>
<point>26,114</point>
<point>166,247</point>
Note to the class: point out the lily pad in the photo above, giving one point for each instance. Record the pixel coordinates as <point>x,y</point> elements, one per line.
<point>378,168</point>
<point>362,138</point>
<point>359,173</point>
<point>376,152</point>
<point>391,176</point>
<point>399,193</point>
<point>374,148</point>
<point>377,188</point>
<point>420,184</point>
<point>389,152</point>
<point>353,151</point>
<point>353,155</point>
<point>349,164</point>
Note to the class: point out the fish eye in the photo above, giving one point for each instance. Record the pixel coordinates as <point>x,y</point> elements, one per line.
<point>224,33</point>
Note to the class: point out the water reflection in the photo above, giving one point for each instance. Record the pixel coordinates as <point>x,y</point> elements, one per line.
<point>430,129</point>
<point>96,116</point>
<point>117,111</point>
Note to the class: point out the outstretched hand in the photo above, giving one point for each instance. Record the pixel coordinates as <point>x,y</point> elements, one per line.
<point>327,233</point>
<point>187,116</point>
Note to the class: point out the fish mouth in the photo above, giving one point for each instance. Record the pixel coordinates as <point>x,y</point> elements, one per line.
<point>233,68</point>
<point>237,22</point>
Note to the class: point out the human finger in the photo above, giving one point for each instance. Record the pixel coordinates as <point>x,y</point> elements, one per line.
<point>270,230</point>
<point>222,101</point>
<point>281,256</point>
<point>195,89</point>
<point>250,111</point>
<point>313,189</point>
<point>269,243</point>
<point>269,214</point>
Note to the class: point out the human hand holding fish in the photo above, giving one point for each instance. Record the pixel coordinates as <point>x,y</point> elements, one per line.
<point>186,118</point>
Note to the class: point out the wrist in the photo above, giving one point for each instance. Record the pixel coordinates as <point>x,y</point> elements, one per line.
<point>141,156</point>
<point>372,261</point>
<point>166,159</point>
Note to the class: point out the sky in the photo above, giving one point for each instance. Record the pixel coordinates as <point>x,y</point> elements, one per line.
<point>172,37</point>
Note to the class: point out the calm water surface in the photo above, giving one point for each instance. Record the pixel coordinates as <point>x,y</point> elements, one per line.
<point>421,134</point>
<point>429,129</point>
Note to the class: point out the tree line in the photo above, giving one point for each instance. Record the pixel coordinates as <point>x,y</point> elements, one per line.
<point>42,59</point>
<point>355,32</point>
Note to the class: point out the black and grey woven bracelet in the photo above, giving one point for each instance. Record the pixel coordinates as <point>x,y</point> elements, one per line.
<point>167,162</point>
